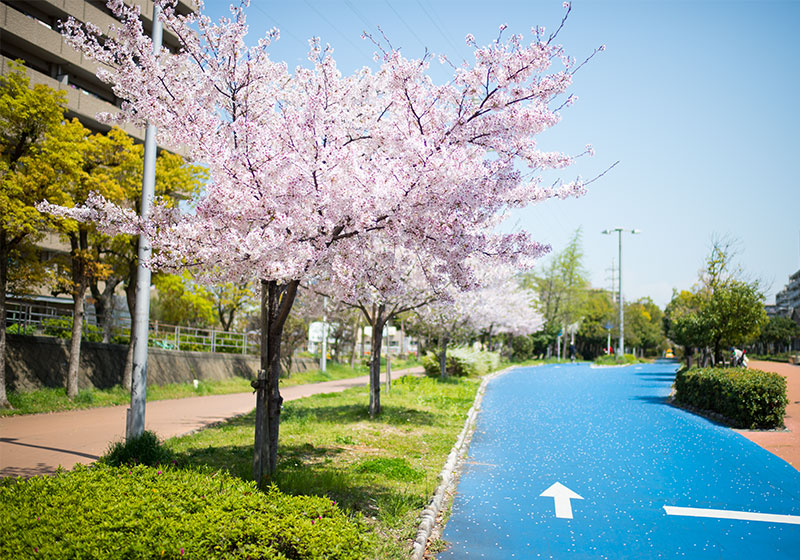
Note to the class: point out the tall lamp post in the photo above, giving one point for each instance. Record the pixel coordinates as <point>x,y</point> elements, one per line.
<point>619,230</point>
<point>134,426</point>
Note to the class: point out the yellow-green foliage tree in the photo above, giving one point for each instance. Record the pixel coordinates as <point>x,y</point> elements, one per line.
<point>181,301</point>
<point>30,141</point>
<point>230,298</point>
<point>110,165</point>
<point>644,325</point>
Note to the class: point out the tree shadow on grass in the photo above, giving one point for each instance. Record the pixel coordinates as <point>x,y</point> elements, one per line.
<point>354,413</point>
<point>366,494</point>
<point>306,470</point>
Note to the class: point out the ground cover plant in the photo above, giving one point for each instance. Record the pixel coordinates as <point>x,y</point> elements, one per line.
<point>382,470</point>
<point>613,359</point>
<point>102,512</point>
<point>747,398</point>
<point>462,362</point>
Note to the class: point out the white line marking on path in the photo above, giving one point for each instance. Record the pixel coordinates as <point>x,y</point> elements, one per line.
<point>562,496</point>
<point>729,514</point>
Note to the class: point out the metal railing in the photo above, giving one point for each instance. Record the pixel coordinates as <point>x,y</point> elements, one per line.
<point>34,318</point>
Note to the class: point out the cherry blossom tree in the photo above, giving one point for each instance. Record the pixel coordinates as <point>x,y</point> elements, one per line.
<point>387,281</point>
<point>499,304</point>
<point>301,161</point>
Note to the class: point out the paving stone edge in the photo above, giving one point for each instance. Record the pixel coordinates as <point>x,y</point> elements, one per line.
<point>449,474</point>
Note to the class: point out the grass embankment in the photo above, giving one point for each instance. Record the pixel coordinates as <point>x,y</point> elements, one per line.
<point>381,470</point>
<point>334,371</point>
<point>56,400</point>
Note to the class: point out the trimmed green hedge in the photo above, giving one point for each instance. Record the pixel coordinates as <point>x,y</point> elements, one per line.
<point>749,398</point>
<point>102,512</point>
<point>462,362</point>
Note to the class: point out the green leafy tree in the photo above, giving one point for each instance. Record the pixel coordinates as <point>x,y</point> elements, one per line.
<point>683,323</point>
<point>30,121</point>
<point>734,314</point>
<point>779,331</point>
<point>104,166</point>
<point>181,301</point>
<point>644,325</point>
<point>562,286</point>
<point>599,311</point>
<point>720,311</point>
<point>230,299</point>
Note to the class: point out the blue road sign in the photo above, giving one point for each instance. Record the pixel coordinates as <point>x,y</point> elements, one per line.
<point>570,461</point>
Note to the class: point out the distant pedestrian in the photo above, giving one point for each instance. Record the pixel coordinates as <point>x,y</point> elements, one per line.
<point>572,352</point>
<point>736,357</point>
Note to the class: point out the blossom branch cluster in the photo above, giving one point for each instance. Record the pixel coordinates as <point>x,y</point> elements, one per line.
<point>306,165</point>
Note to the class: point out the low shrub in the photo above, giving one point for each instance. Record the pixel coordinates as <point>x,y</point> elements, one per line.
<point>143,450</point>
<point>748,398</point>
<point>16,328</point>
<point>462,362</point>
<point>613,359</point>
<point>104,512</point>
<point>61,327</point>
<point>522,348</point>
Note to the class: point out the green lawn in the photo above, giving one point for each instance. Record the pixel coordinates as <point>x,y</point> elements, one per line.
<point>55,399</point>
<point>383,471</point>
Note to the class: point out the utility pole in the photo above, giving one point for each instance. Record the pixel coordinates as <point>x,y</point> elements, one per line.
<point>619,230</point>
<point>135,421</point>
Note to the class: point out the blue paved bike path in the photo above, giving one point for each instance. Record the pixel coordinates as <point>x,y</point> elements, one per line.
<point>608,435</point>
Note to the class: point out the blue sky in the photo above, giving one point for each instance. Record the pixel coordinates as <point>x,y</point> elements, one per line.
<point>697,100</point>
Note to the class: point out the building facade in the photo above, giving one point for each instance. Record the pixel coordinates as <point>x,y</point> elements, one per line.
<point>29,31</point>
<point>789,297</point>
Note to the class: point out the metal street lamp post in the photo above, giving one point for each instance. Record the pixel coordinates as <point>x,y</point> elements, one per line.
<point>619,230</point>
<point>134,425</point>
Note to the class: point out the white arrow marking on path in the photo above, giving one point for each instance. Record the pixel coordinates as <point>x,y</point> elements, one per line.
<point>729,514</point>
<point>562,496</point>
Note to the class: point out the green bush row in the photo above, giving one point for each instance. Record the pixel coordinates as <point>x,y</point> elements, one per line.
<point>462,362</point>
<point>749,398</point>
<point>16,328</point>
<point>164,512</point>
<point>612,359</point>
<point>61,327</point>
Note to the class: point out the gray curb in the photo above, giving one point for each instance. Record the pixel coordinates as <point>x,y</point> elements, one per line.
<point>448,475</point>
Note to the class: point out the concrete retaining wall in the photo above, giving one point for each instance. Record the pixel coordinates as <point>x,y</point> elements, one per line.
<point>33,362</point>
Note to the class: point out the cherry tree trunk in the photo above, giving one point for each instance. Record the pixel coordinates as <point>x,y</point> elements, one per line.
<point>276,302</point>
<point>378,320</point>
<point>130,298</point>
<point>443,356</point>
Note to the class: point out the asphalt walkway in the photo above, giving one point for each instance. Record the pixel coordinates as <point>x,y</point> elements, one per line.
<point>577,462</point>
<point>38,443</point>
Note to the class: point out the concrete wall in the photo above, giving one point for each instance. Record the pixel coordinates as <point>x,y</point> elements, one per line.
<point>33,362</point>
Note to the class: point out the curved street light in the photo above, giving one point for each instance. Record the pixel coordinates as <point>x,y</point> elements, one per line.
<point>619,230</point>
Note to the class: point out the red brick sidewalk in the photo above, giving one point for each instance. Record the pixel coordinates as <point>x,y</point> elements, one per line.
<point>784,444</point>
